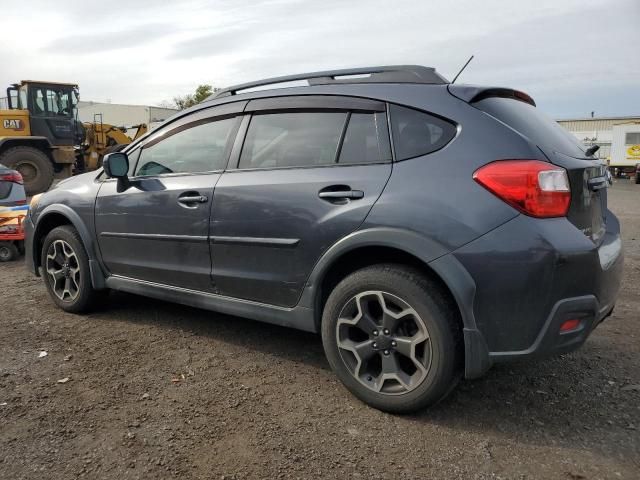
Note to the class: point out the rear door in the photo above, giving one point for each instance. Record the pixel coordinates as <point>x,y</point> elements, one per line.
<point>308,172</point>
<point>158,229</point>
<point>588,176</point>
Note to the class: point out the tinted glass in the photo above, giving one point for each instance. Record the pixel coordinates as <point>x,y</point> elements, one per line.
<point>366,139</point>
<point>197,149</point>
<point>533,124</point>
<point>417,133</point>
<point>632,138</point>
<point>5,189</point>
<point>297,139</point>
<point>47,101</point>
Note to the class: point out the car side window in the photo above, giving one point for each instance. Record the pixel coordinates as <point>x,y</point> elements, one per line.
<point>194,149</point>
<point>416,133</point>
<point>293,139</point>
<point>366,139</point>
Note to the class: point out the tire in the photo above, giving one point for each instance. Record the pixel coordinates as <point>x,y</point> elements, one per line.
<point>34,165</point>
<point>637,178</point>
<point>419,304</point>
<point>8,251</point>
<point>64,258</point>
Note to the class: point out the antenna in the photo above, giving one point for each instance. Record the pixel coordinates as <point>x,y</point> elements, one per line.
<point>462,69</point>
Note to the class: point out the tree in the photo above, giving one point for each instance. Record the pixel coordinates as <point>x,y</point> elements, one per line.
<point>202,93</point>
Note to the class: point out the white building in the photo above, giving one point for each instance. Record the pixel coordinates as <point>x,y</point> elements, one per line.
<point>123,115</point>
<point>599,131</point>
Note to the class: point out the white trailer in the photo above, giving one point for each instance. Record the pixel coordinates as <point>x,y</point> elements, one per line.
<point>625,146</point>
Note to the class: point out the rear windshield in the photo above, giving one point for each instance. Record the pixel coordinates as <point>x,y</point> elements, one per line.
<point>533,124</point>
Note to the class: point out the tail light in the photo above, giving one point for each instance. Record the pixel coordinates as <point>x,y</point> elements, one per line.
<point>538,189</point>
<point>13,177</point>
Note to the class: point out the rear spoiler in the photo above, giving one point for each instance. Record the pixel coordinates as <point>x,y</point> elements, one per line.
<point>473,93</point>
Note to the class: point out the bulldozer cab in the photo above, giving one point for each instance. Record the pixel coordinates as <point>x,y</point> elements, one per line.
<point>51,109</point>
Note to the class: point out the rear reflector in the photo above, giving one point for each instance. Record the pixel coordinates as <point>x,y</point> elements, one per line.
<point>569,325</point>
<point>538,189</point>
<point>13,177</point>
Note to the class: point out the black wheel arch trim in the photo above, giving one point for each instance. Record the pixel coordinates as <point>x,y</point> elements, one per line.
<point>95,267</point>
<point>24,140</point>
<point>433,255</point>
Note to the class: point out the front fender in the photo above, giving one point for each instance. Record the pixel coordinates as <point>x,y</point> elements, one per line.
<point>97,274</point>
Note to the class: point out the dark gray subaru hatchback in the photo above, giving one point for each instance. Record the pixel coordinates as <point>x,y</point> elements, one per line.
<point>427,230</point>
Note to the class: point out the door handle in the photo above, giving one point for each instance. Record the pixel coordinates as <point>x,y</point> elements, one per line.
<point>193,199</point>
<point>350,194</point>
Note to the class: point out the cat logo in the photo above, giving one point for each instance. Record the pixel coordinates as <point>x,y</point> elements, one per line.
<point>13,124</point>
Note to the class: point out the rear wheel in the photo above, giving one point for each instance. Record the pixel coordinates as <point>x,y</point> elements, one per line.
<point>8,251</point>
<point>637,178</point>
<point>392,338</point>
<point>34,166</point>
<point>65,270</point>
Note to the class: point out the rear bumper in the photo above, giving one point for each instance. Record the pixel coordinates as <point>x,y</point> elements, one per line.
<point>551,340</point>
<point>533,275</point>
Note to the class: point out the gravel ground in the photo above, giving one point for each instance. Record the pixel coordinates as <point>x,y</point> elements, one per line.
<point>157,390</point>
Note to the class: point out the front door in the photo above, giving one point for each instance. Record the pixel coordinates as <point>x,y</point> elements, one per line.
<point>305,179</point>
<point>51,109</point>
<point>158,229</point>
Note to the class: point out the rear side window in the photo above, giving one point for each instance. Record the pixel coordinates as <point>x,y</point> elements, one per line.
<point>417,133</point>
<point>533,124</point>
<point>5,189</point>
<point>299,139</point>
<point>366,139</point>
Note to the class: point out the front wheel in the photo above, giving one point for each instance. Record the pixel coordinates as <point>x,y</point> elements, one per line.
<point>65,270</point>
<point>393,338</point>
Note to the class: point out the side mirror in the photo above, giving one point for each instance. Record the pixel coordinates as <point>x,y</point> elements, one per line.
<point>116,165</point>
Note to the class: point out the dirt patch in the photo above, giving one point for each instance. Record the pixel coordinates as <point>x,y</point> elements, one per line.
<point>158,390</point>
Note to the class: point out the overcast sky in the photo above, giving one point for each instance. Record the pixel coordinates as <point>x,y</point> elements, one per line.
<point>572,56</point>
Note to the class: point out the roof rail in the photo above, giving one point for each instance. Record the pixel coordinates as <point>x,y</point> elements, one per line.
<point>382,74</point>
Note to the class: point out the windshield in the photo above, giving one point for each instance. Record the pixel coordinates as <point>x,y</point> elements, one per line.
<point>52,101</point>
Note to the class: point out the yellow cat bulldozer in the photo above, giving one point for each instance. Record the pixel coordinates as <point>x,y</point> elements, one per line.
<point>41,137</point>
<point>102,138</point>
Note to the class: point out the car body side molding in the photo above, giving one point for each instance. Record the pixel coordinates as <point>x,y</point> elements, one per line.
<point>297,317</point>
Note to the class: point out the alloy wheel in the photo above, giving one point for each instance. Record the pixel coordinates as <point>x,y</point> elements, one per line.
<point>383,342</point>
<point>63,270</point>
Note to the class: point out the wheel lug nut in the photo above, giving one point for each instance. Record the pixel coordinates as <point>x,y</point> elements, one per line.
<point>375,345</point>
<point>375,333</point>
<point>386,352</point>
<point>386,331</point>
<point>394,344</point>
